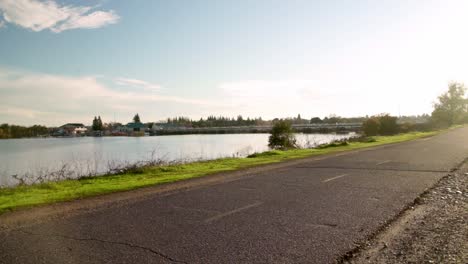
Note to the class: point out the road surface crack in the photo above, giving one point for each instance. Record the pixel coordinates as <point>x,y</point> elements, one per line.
<point>108,242</point>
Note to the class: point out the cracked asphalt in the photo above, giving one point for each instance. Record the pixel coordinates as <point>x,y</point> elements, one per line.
<point>312,211</point>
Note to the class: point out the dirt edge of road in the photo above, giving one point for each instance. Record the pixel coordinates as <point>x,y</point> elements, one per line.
<point>432,229</point>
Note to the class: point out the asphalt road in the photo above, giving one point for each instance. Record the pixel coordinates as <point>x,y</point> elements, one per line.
<point>311,211</point>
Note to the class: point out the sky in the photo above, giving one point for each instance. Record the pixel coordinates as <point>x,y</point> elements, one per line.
<point>68,61</point>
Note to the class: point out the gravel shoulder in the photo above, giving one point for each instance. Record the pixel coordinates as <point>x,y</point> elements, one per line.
<point>433,230</point>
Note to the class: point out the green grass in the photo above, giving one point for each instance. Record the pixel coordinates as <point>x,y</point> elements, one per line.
<point>32,195</point>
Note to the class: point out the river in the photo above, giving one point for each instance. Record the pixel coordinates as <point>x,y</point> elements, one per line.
<point>89,155</point>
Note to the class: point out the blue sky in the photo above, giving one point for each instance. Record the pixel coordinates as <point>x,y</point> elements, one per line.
<point>67,61</point>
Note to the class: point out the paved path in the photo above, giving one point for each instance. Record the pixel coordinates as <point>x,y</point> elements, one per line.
<point>307,212</point>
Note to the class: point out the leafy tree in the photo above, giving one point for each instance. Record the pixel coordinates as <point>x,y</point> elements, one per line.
<point>14,131</point>
<point>332,119</point>
<point>315,120</point>
<point>383,124</point>
<point>136,119</point>
<point>97,124</point>
<point>452,106</point>
<point>282,136</point>
<point>5,131</point>
<point>371,126</point>
<point>388,125</point>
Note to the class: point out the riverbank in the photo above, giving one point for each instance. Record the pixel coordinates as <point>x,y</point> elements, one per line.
<point>32,195</point>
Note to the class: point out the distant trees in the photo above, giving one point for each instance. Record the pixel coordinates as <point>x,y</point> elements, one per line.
<point>316,120</point>
<point>371,126</point>
<point>388,125</point>
<point>136,118</point>
<point>97,124</point>
<point>213,121</point>
<point>298,120</point>
<point>451,107</point>
<point>14,131</point>
<point>282,136</point>
<point>222,121</point>
<point>332,119</point>
<point>383,124</point>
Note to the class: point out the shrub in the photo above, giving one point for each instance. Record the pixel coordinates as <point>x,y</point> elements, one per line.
<point>282,136</point>
<point>451,107</point>
<point>333,144</point>
<point>406,127</point>
<point>388,125</point>
<point>264,154</point>
<point>380,125</point>
<point>371,126</point>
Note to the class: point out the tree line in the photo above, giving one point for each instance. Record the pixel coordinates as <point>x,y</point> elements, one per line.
<point>222,121</point>
<point>15,131</point>
<point>450,108</point>
<point>213,121</point>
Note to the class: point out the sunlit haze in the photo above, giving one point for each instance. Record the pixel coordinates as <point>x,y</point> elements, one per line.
<point>68,61</point>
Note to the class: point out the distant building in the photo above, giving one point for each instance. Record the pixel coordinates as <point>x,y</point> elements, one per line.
<point>72,129</point>
<point>157,126</point>
<point>135,127</point>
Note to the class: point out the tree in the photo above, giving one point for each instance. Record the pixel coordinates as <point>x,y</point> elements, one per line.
<point>282,136</point>
<point>136,118</point>
<point>99,123</point>
<point>332,119</point>
<point>388,125</point>
<point>371,126</point>
<point>14,131</point>
<point>383,124</point>
<point>452,106</point>
<point>95,124</point>
<point>315,120</point>
<point>240,119</point>
<point>5,131</point>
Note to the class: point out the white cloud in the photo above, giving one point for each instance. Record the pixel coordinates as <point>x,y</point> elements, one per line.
<point>40,15</point>
<point>137,83</point>
<point>2,23</point>
<point>30,98</point>
<point>93,20</point>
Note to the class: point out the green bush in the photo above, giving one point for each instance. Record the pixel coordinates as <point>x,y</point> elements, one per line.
<point>388,125</point>
<point>264,154</point>
<point>406,127</point>
<point>371,126</point>
<point>282,136</point>
<point>333,144</point>
<point>380,125</point>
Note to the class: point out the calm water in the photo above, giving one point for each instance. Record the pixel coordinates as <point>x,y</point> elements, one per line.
<point>90,155</point>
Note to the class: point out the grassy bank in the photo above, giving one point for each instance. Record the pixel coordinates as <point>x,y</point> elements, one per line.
<point>26,196</point>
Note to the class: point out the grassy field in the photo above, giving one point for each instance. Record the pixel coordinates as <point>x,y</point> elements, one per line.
<point>32,195</point>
